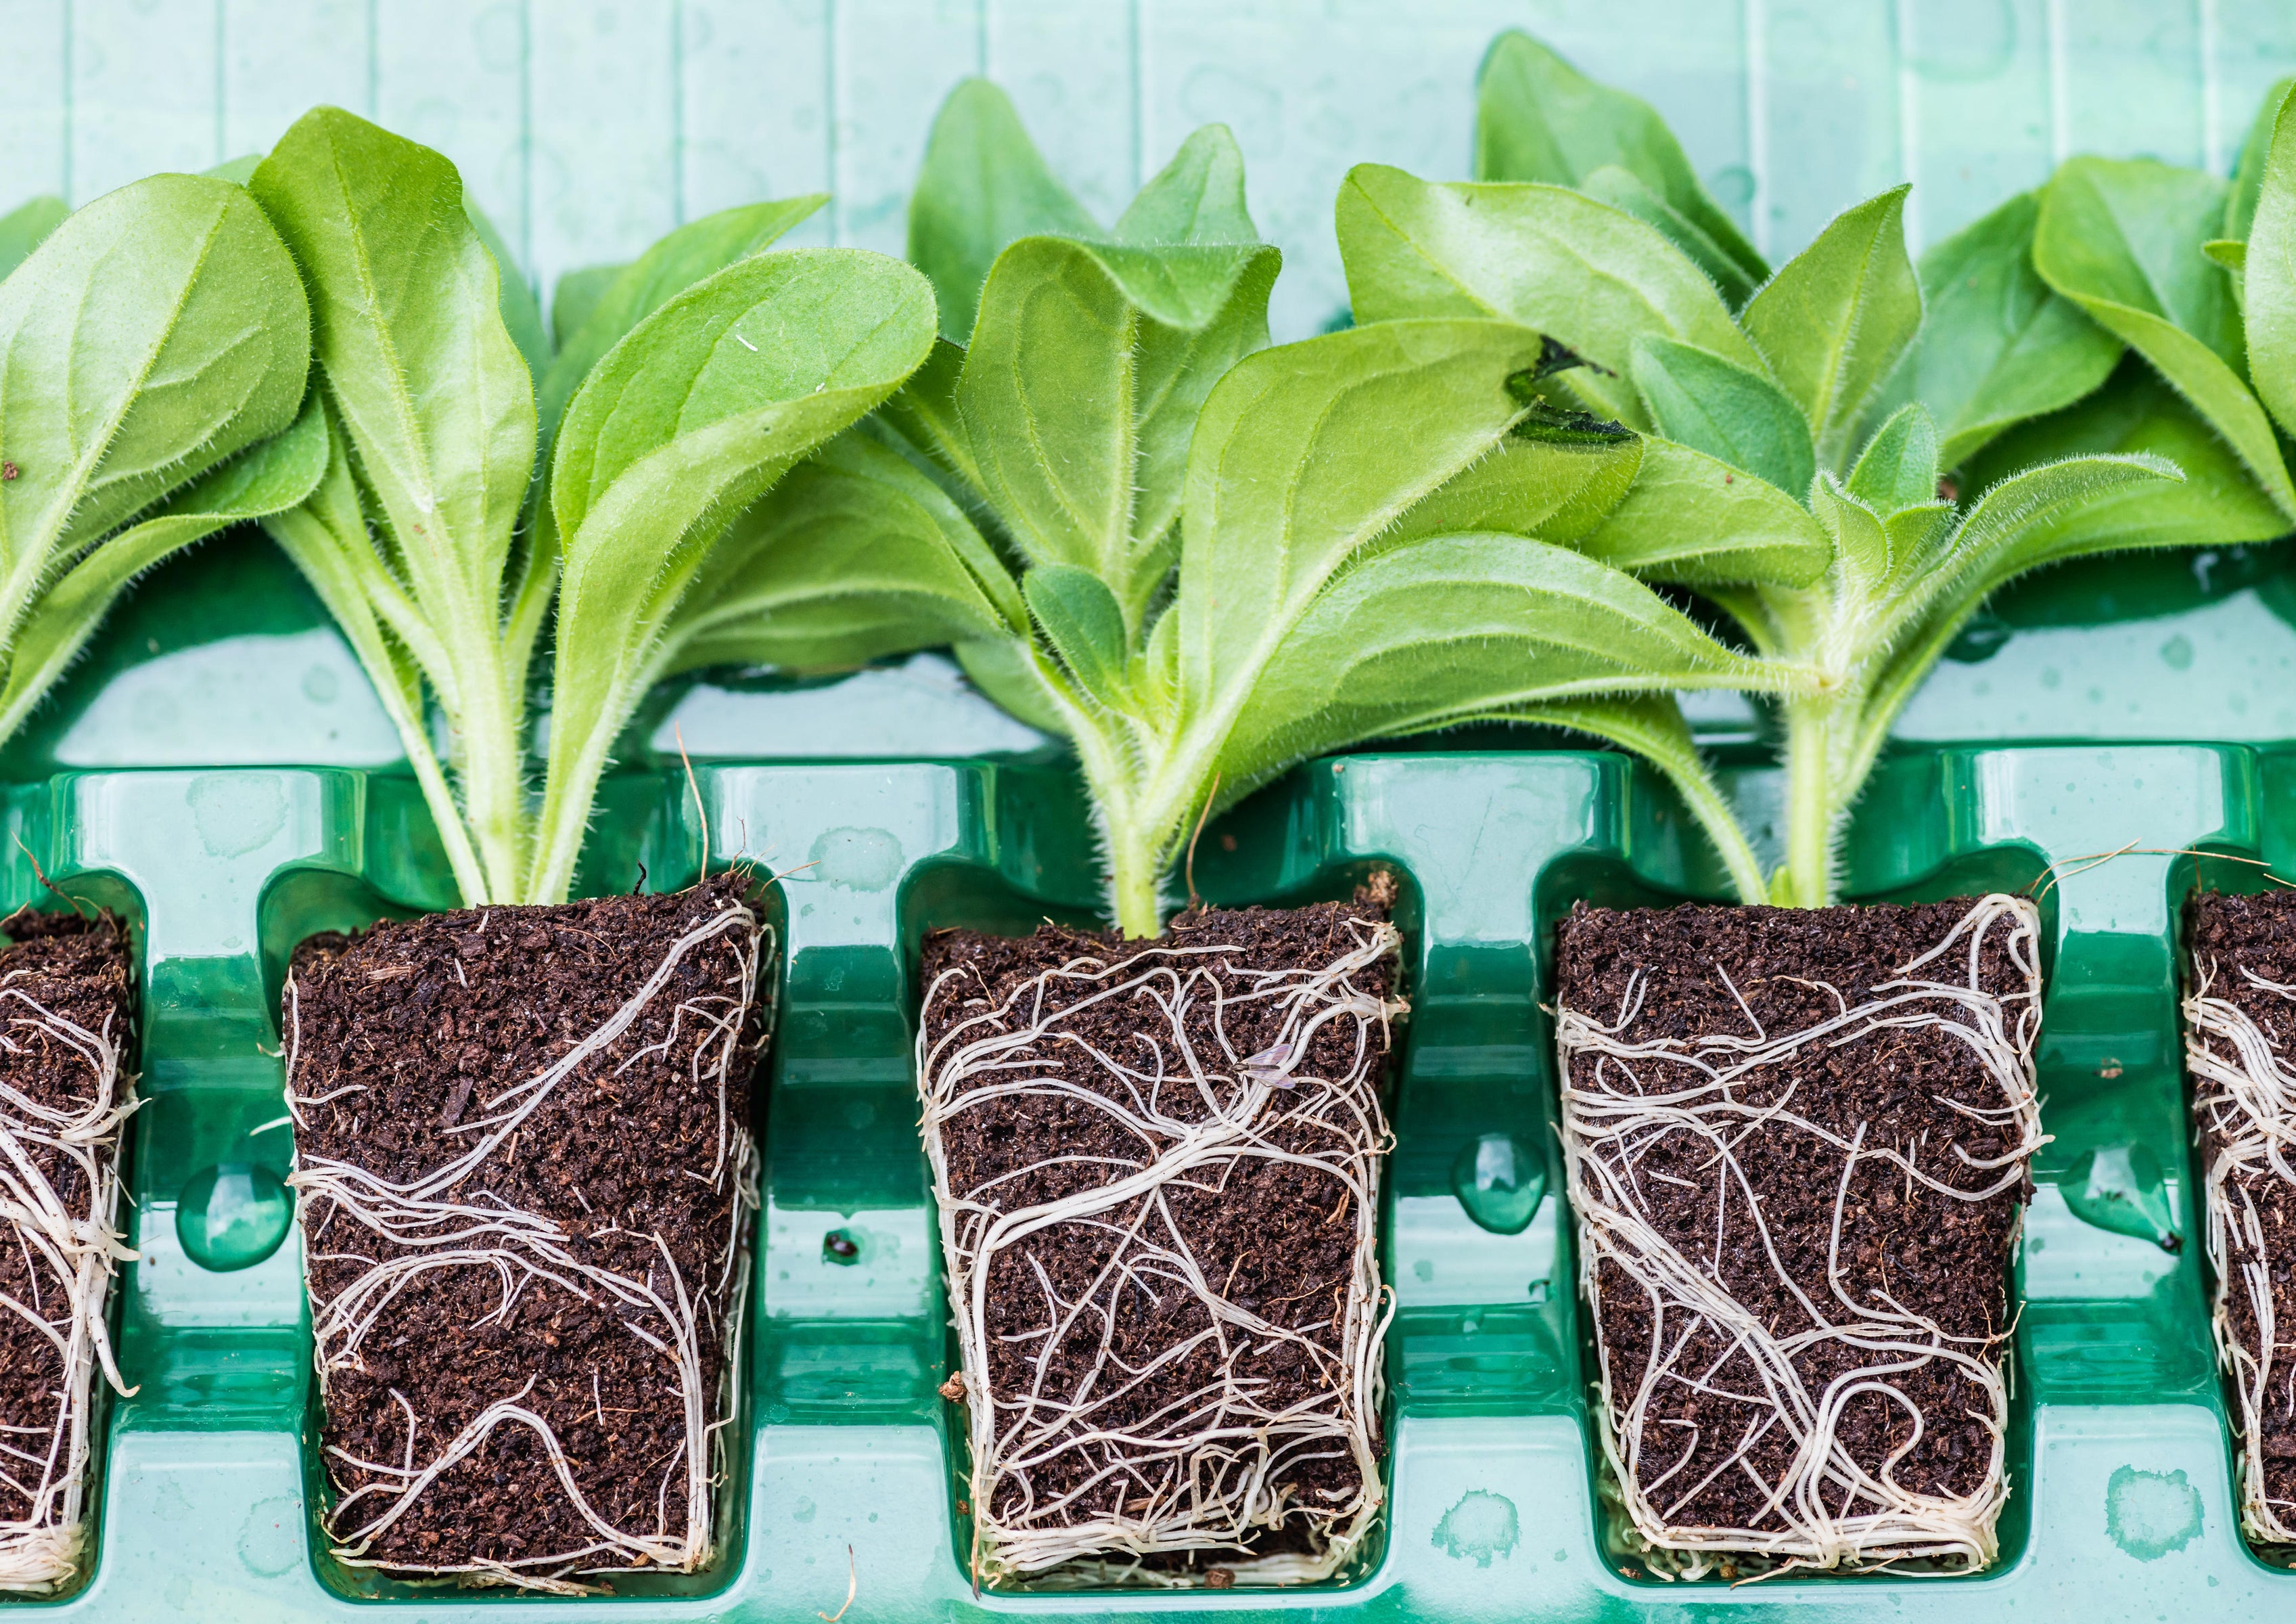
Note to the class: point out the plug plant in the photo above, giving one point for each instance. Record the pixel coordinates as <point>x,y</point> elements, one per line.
<point>154,347</point>
<point>441,540</point>
<point>1199,558</point>
<point>1813,408</point>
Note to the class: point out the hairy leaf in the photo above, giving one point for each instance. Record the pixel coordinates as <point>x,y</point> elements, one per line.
<point>25,227</point>
<point>1197,198</point>
<point>1997,345</point>
<point>1727,411</point>
<point>522,312</point>
<point>1899,468</point>
<point>1693,519</point>
<point>1537,119</point>
<point>1082,620</point>
<point>1426,635</point>
<point>984,185</point>
<point>2270,274</point>
<point>1627,192</point>
<point>153,334</point>
<point>1594,279</point>
<point>2255,154</point>
<point>1835,320</point>
<point>1552,481</point>
<point>854,554</point>
<point>694,250</point>
<point>1088,365</point>
<point>2122,238</point>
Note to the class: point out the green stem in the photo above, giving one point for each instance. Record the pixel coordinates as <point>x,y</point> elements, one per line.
<point>1812,808</point>
<point>491,767</point>
<point>1703,796</point>
<point>1135,877</point>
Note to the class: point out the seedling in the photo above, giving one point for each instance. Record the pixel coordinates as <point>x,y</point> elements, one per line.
<point>155,347</point>
<point>1199,558</point>
<point>1807,417</point>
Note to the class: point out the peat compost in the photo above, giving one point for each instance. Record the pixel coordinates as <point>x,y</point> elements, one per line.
<point>522,1139</point>
<point>2240,1022</point>
<point>68,999</point>
<point>1157,1170</point>
<point>1798,1142</point>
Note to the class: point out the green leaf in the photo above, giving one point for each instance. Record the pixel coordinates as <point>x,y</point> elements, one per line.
<point>237,170</point>
<point>1997,345</point>
<point>1594,279</point>
<point>25,227</point>
<point>1692,519</point>
<point>576,296</point>
<point>1011,672</point>
<point>1626,192</point>
<point>522,313</point>
<point>2232,256</point>
<point>154,334</point>
<point>1556,482</point>
<point>1426,635</point>
<point>854,554</point>
<point>1196,197</point>
<point>983,186</point>
<point>1537,119</point>
<point>2255,153</point>
<point>1726,410</point>
<point>409,339</point>
<point>1080,618</point>
<point>2122,240</point>
<point>707,404</point>
<point>268,478</point>
<point>1088,365</point>
<point>2269,275</point>
<point>698,248</point>
<point>1899,468</point>
<point>1834,321</point>
<point>923,414</point>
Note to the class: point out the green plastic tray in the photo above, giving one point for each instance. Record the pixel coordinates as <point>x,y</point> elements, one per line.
<point>2120,1453</point>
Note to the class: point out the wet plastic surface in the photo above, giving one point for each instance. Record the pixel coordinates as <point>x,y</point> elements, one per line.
<point>2120,1455</point>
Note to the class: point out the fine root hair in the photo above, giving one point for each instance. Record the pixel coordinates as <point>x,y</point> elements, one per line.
<point>1621,1099</point>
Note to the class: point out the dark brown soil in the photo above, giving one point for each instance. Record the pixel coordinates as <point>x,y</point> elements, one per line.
<point>79,969</point>
<point>1945,1258</point>
<point>1274,1238</point>
<point>431,1020</point>
<point>2228,935</point>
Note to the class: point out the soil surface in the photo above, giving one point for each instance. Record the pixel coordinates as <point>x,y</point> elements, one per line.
<point>79,969</point>
<point>1273,1238</point>
<point>2228,935</point>
<point>1944,1259</point>
<point>421,1030</point>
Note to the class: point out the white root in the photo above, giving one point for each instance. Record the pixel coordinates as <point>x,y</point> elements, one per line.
<point>1214,1465</point>
<point>69,1251</point>
<point>1621,1099</point>
<point>2244,1096</point>
<point>447,1220</point>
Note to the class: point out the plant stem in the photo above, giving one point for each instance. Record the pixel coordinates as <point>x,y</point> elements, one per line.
<point>1137,879</point>
<point>1811,806</point>
<point>1703,796</point>
<point>490,764</point>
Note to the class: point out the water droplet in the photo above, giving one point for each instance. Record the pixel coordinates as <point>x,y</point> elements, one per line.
<point>233,1216</point>
<point>2178,652</point>
<point>2150,1514</point>
<point>1481,1528</point>
<point>1500,1181</point>
<point>2120,1188</point>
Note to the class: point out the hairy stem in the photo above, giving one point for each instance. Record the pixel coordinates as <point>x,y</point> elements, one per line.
<point>1813,807</point>
<point>490,764</point>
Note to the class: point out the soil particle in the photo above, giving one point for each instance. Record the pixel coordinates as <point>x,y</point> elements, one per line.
<point>78,969</point>
<point>1943,1259</point>
<point>2231,939</point>
<point>410,1042</point>
<point>1271,1237</point>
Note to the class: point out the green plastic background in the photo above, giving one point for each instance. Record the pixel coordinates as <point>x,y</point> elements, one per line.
<point>218,770</point>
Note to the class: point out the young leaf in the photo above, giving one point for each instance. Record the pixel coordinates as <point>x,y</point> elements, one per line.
<point>1899,468</point>
<point>1627,192</point>
<point>577,295</point>
<point>699,249</point>
<point>1196,197</point>
<point>1694,520</point>
<point>2269,274</point>
<point>2122,240</point>
<point>1726,410</point>
<point>1089,364</point>
<point>1082,620</point>
<point>1997,345</point>
<point>1833,322</point>
<point>1537,119</point>
<point>2255,153</point>
<point>707,404</point>
<point>984,185</point>
<point>854,554</point>
<point>25,227</point>
<point>1594,279</point>
<point>522,313</point>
